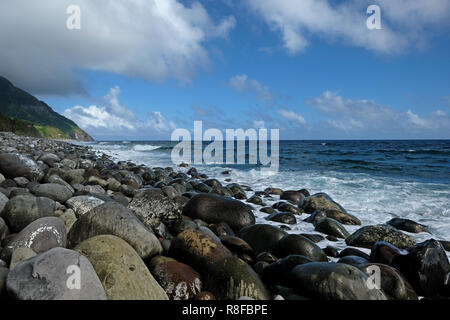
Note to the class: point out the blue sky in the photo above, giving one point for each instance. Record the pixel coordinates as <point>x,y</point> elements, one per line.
<point>309,68</point>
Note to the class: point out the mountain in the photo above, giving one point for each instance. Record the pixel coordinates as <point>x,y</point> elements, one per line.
<point>22,113</point>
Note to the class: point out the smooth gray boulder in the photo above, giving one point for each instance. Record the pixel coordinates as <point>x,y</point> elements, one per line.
<point>114,219</point>
<point>52,275</point>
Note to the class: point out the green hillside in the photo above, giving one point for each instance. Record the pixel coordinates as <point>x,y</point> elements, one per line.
<point>16,104</point>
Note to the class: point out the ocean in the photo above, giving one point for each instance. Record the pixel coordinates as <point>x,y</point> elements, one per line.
<point>373,180</point>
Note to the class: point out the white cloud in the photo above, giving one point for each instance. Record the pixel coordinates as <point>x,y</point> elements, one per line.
<point>241,83</point>
<point>404,22</point>
<point>115,120</point>
<point>292,116</point>
<point>367,115</point>
<point>150,39</point>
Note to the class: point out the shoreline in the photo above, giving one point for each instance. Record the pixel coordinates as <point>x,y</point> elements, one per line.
<point>180,228</point>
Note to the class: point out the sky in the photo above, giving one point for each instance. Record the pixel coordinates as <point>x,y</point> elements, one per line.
<point>139,69</point>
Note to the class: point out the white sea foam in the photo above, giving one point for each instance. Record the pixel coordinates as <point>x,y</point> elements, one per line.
<point>145,147</point>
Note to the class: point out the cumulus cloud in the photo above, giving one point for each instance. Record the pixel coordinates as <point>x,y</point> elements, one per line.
<point>243,84</point>
<point>115,120</point>
<point>292,116</point>
<point>152,39</point>
<point>368,116</point>
<point>404,22</point>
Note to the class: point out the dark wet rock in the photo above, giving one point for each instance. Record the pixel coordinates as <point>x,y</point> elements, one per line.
<point>276,191</point>
<point>282,217</point>
<point>340,216</point>
<point>297,244</point>
<point>115,219</point>
<point>332,238</point>
<point>45,277</point>
<point>426,267</point>
<point>152,207</point>
<point>235,244</point>
<point>268,210</point>
<point>53,191</point>
<point>203,188</point>
<point>14,165</point>
<point>83,204</point>
<point>221,229</point>
<point>58,180</point>
<point>353,252</point>
<point>204,295</point>
<point>385,253</point>
<point>198,249</point>
<point>260,266</point>
<point>121,271</point>
<point>179,281</point>
<point>367,236</point>
<point>331,251</point>
<point>284,227</point>
<point>320,202</point>
<point>22,210</point>
<point>40,236</point>
<point>393,284</point>
<point>305,192</point>
<point>314,237</point>
<point>213,183</point>
<point>332,281</point>
<point>407,225</point>
<point>266,257</point>
<point>256,200</point>
<point>214,209</point>
<point>262,237</point>
<point>292,196</point>
<point>445,245</point>
<point>49,158</point>
<point>277,272</point>
<point>286,207</point>
<point>231,278</point>
<point>331,227</point>
<point>353,261</point>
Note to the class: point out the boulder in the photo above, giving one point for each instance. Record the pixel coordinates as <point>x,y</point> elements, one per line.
<point>320,202</point>
<point>331,227</point>
<point>53,191</point>
<point>14,165</point>
<point>300,245</point>
<point>332,281</point>
<point>214,209</point>
<point>367,236</point>
<point>278,271</point>
<point>262,237</point>
<point>292,196</point>
<point>393,284</point>
<point>3,201</point>
<point>152,207</point>
<point>83,204</point>
<point>121,271</point>
<point>24,209</point>
<point>282,217</point>
<point>51,275</point>
<point>178,280</point>
<point>426,267</point>
<point>198,249</point>
<point>231,278</point>
<point>407,225</point>
<point>41,235</point>
<point>340,216</point>
<point>114,219</point>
